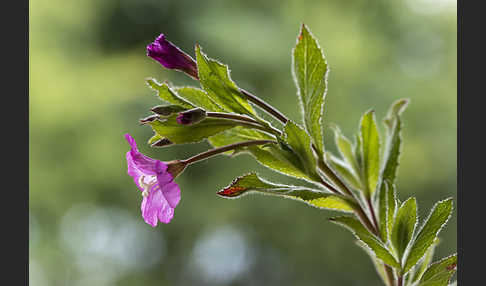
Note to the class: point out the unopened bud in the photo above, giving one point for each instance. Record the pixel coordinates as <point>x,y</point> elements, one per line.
<point>191,116</point>
<point>166,110</point>
<point>161,143</point>
<point>149,119</point>
<point>171,57</point>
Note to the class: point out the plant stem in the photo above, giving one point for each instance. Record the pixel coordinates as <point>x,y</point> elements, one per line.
<point>231,116</point>
<point>265,106</point>
<point>359,210</point>
<point>329,186</point>
<point>389,275</point>
<point>254,126</point>
<point>216,151</point>
<point>373,216</point>
<point>399,280</point>
<point>360,213</point>
<point>243,118</point>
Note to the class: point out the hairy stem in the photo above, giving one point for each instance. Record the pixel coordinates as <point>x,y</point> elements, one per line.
<point>265,106</point>
<point>244,118</point>
<point>232,116</point>
<point>216,151</point>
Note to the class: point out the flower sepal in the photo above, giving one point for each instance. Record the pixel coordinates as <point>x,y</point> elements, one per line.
<point>176,167</point>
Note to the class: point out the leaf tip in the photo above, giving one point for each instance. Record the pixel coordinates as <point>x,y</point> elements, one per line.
<point>231,192</point>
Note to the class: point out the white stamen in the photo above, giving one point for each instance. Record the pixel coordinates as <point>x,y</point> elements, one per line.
<point>146,187</point>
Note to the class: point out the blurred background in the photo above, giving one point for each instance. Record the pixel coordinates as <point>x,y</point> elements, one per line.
<point>87,72</point>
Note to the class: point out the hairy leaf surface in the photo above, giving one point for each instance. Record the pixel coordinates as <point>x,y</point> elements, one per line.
<point>439,273</point>
<point>393,142</point>
<point>346,150</point>
<point>166,93</point>
<point>179,134</point>
<point>215,80</point>
<point>427,234</point>
<point>370,139</point>
<point>417,272</point>
<point>368,238</point>
<point>199,98</point>
<point>251,183</point>
<point>344,171</point>
<point>310,73</point>
<point>404,226</point>
<point>300,143</point>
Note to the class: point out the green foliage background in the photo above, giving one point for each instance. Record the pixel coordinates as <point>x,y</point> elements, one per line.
<point>87,88</point>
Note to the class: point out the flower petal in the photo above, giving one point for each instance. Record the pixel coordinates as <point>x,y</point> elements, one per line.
<point>143,164</point>
<point>152,205</point>
<point>164,178</point>
<point>166,214</point>
<point>131,141</point>
<point>133,171</point>
<point>172,193</point>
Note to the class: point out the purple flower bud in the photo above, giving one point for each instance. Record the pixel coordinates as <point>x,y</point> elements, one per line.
<point>191,116</point>
<point>171,57</point>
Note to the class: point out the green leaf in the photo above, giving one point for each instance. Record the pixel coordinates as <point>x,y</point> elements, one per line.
<point>368,238</point>
<point>179,134</point>
<point>215,79</point>
<point>167,94</point>
<point>379,266</point>
<point>280,160</point>
<point>423,263</point>
<point>292,156</point>
<point>300,143</point>
<point>387,203</point>
<point>154,138</point>
<point>395,111</point>
<point>394,141</point>
<point>235,135</point>
<point>238,134</point>
<point>437,219</point>
<point>199,98</point>
<point>358,152</point>
<point>310,74</point>
<point>383,212</point>
<point>392,204</point>
<point>346,149</point>
<point>439,273</point>
<point>344,171</point>
<point>251,183</point>
<point>392,154</point>
<point>404,226</point>
<point>370,139</point>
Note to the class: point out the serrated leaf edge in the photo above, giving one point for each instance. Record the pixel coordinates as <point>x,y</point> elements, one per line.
<point>294,76</point>
<point>364,243</point>
<point>422,226</point>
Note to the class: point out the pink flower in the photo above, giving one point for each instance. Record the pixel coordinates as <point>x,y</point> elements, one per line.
<point>160,193</point>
